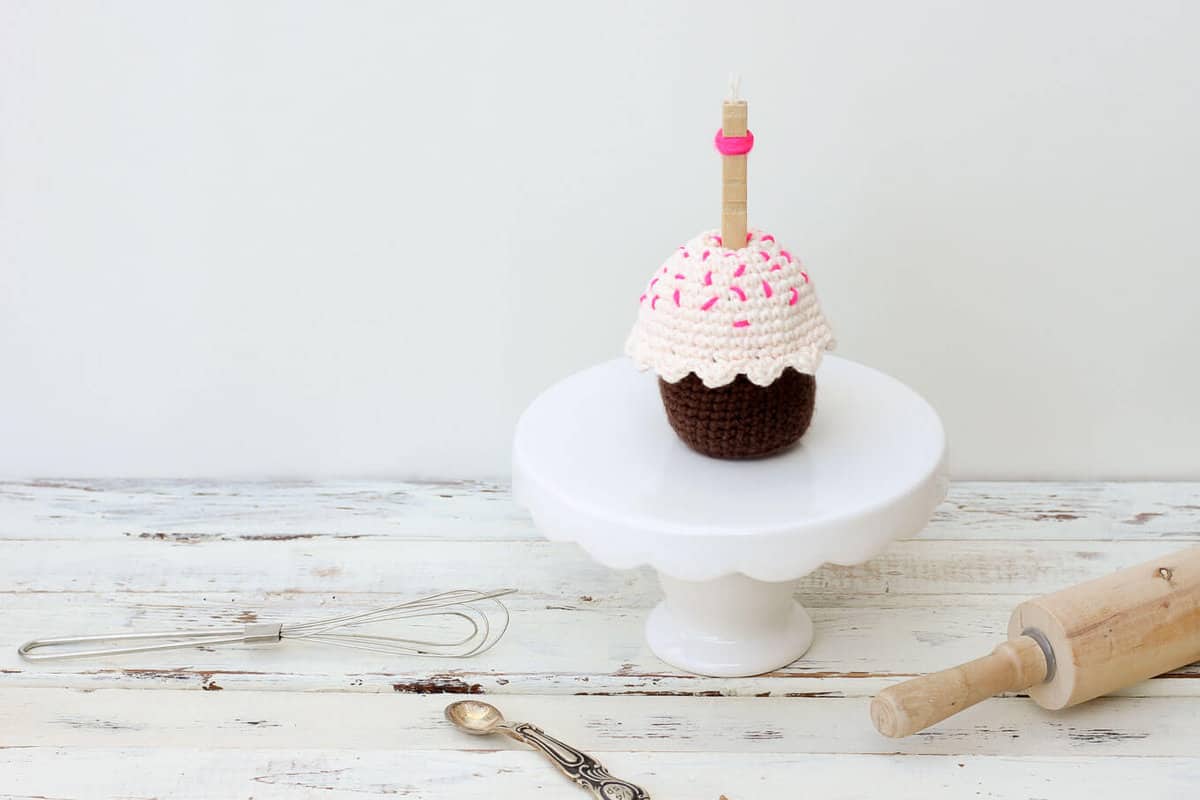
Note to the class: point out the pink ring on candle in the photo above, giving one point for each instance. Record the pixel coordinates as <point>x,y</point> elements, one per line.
<point>733,145</point>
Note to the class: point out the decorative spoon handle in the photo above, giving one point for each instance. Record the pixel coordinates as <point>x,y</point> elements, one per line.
<point>579,767</point>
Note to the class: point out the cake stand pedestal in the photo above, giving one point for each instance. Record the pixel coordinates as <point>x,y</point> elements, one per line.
<point>595,462</point>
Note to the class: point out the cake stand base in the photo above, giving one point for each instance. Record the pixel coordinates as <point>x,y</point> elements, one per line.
<point>728,627</point>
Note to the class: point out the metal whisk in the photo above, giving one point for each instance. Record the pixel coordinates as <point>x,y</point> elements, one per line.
<point>469,610</point>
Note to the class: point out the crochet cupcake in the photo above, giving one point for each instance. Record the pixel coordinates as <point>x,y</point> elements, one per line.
<point>735,337</point>
<point>732,326</point>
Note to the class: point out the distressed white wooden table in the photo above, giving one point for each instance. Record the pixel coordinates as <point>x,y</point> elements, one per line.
<point>307,721</point>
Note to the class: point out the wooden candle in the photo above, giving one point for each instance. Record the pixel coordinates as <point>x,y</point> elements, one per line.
<point>733,173</point>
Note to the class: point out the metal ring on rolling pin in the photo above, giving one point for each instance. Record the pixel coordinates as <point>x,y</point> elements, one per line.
<point>1047,651</point>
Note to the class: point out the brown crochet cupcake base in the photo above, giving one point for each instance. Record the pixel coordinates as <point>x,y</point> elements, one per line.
<point>740,419</point>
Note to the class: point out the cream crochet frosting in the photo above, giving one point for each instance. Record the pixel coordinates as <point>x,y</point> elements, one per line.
<point>720,313</point>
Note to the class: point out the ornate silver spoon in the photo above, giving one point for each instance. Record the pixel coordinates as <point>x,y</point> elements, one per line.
<point>480,719</point>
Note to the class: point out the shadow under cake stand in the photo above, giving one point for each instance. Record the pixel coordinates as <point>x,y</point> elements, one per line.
<point>595,462</point>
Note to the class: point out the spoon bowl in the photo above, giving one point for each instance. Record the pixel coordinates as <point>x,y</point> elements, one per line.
<point>474,716</point>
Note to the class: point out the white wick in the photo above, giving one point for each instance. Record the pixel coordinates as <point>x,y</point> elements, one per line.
<point>735,83</point>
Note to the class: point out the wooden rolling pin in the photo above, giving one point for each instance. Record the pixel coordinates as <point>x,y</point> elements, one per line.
<point>1068,647</point>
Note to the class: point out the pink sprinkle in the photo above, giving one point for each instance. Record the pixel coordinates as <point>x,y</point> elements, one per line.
<point>805,274</point>
<point>775,268</point>
<point>786,255</point>
<point>739,271</point>
<point>704,256</point>
<point>642,299</point>
<point>741,295</point>
<point>765,255</point>
<point>676,298</point>
<point>679,276</point>
<point>653,302</point>
<point>652,282</point>
<point>720,242</point>
<point>749,236</point>
<point>741,323</point>
<point>708,278</point>
<point>712,302</point>
<point>767,289</point>
<point>795,296</point>
<point>768,237</point>
<point>686,254</point>
<point>664,270</point>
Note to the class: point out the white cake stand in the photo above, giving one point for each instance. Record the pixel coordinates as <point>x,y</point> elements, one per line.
<point>595,462</point>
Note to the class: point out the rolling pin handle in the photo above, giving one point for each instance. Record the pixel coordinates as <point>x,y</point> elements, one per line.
<point>914,705</point>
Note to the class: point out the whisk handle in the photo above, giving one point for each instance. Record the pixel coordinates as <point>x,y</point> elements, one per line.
<point>576,765</point>
<point>76,646</point>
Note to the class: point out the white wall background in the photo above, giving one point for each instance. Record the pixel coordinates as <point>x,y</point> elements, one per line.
<point>314,238</point>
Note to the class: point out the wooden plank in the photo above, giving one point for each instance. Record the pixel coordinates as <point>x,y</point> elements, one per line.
<point>374,770</point>
<point>553,572</point>
<point>577,649</point>
<point>117,718</point>
<point>184,510</point>
<point>196,510</point>
<point>1096,511</point>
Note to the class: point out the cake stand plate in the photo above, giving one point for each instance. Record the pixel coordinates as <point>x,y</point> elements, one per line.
<point>595,462</point>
